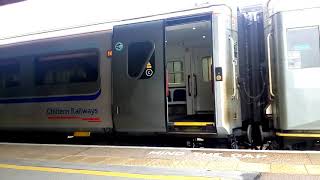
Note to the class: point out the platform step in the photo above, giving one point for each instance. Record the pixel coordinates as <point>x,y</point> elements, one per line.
<point>193,123</point>
<point>192,127</point>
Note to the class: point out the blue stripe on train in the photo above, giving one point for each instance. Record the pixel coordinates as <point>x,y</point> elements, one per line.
<point>51,99</point>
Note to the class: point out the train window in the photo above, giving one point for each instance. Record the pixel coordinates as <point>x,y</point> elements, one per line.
<point>139,54</point>
<point>206,68</point>
<point>76,67</point>
<point>9,75</point>
<point>175,71</point>
<point>303,47</point>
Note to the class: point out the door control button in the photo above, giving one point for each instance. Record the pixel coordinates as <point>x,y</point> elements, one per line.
<point>218,72</point>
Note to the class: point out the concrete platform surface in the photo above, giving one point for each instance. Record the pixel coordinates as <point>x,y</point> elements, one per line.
<point>122,162</point>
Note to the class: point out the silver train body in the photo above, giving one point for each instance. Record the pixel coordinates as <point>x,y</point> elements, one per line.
<point>292,36</point>
<point>64,80</point>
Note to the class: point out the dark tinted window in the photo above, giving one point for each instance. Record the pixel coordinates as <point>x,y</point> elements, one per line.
<point>303,47</point>
<point>9,74</point>
<point>139,54</point>
<point>67,68</point>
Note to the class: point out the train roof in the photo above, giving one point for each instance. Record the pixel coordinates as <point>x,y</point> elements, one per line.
<point>276,6</point>
<point>217,8</point>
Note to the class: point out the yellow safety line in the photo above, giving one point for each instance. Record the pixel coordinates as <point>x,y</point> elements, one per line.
<point>298,135</point>
<point>192,123</point>
<point>101,173</point>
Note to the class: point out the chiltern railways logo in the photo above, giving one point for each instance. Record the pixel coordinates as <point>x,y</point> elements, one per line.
<point>119,46</point>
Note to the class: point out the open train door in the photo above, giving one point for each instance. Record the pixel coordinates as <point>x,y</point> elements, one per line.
<point>139,101</point>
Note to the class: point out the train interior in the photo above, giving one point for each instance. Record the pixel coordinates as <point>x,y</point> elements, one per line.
<point>189,66</point>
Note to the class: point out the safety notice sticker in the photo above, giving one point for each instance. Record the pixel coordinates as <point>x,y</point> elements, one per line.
<point>294,59</point>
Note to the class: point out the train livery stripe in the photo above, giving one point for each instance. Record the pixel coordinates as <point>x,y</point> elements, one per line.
<point>52,99</point>
<point>89,119</point>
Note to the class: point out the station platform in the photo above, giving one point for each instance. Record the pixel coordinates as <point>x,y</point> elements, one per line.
<point>44,161</point>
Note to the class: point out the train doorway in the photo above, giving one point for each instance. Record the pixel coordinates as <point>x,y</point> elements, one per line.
<point>176,53</point>
<point>189,64</point>
<point>138,75</point>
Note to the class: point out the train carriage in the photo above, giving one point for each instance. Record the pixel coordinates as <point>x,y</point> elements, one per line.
<point>292,39</point>
<point>168,73</point>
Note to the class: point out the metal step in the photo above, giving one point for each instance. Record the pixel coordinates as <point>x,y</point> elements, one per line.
<point>192,127</point>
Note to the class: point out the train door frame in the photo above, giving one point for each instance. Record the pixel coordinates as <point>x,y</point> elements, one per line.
<point>190,81</point>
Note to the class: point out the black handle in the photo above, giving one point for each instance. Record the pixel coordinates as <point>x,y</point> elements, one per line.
<point>195,85</point>
<point>189,88</point>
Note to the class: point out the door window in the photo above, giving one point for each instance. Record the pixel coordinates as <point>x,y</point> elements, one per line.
<point>141,59</point>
